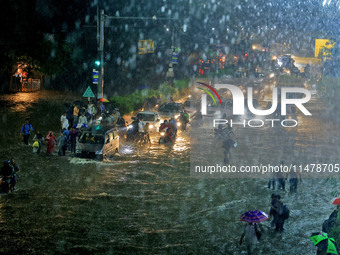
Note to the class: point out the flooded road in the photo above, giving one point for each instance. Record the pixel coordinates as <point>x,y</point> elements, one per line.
<point>143,201</point>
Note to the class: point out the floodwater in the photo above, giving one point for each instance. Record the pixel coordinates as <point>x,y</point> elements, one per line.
<point>142,201</point>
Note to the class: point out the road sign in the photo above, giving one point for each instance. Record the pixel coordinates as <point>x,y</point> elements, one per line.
<point>174,58</point>
<point>88,92</point>
<point>146,46</point>
<point>95,74</point>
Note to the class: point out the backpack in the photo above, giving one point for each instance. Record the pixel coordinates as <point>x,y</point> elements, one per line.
<point>285,212</point>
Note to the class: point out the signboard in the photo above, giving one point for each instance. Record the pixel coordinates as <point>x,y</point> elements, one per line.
<point>174,58</point>
<point>146,46</point>
<point>88,92</point>
<point>320,44</point>
<point>95,75</point>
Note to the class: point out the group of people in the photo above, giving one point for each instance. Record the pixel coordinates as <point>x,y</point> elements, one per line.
<point>72,123</point>
<point>252,233</point>
<point>8,176</point>
<point>278,181</point>
<point>170,126</point>
<point>77,116</point>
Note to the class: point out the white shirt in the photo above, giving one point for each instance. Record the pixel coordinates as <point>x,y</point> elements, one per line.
<point>89,108</point>
<point>63,120</point>
<point>65,124</point>
<point>141,127</point>
<point>82,120</point>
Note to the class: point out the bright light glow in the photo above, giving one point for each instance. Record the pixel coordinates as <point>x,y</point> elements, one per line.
<point>151,126</point>
<point>162,133</point>
<point>324,2</point>
<point>178,124</point>
<point>272,75</point>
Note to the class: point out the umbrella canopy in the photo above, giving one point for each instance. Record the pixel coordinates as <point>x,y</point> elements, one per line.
<point>324,243</point>
<point>336,201</point>
<point>254,216</point>
<point>104,100</point>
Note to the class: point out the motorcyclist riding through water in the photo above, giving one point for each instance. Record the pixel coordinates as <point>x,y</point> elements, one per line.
<point>166,133</point>
<point>184,118</point>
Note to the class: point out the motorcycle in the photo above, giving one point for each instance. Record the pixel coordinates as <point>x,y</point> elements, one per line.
<point>5,185</point>
<point>165,138</point>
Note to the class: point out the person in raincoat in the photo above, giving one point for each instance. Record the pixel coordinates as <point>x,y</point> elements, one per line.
<point>251,234</point>
<point>38,137</point>
<point>51,142</point>
<point>35,146</point>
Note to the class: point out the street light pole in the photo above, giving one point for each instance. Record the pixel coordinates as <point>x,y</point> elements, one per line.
<point>100,86</point>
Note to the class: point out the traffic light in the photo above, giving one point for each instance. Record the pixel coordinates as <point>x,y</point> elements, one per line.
<point>97,63</point>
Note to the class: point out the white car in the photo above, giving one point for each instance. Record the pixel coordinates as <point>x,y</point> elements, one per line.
<point>149,117</point>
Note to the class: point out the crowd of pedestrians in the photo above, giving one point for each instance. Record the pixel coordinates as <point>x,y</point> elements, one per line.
<point>72,122</point>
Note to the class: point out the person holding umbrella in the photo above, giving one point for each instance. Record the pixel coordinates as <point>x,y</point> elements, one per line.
<point>334,218</point>
<point>252,231</point>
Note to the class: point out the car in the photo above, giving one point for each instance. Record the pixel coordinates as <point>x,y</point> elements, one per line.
<point>150,117</point>
<point>98,141</point>
<point>168,110</point>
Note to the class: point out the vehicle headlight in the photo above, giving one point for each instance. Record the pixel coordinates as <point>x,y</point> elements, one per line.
<point>151,126</point>
<point>176,116</point>
<point>130,126</point>
<point>272,75</point>
<point>162,133</point>
<point>178,124</point>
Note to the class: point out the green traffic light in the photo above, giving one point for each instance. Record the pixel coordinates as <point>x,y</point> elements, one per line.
<point>97,62</point>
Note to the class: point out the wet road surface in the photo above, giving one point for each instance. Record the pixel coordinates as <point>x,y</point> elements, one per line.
<point>143,201</point>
